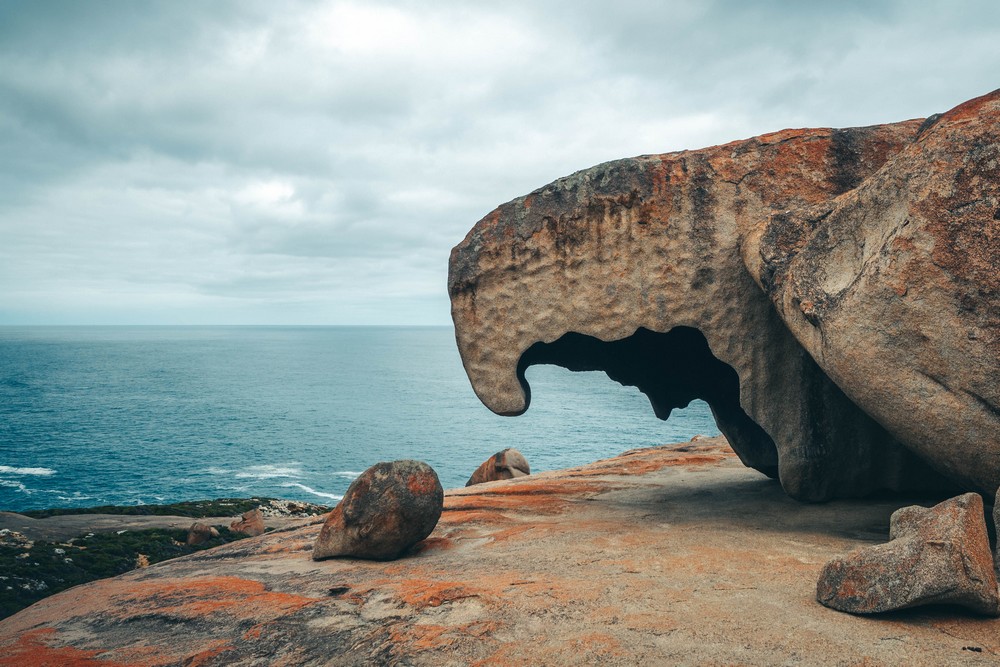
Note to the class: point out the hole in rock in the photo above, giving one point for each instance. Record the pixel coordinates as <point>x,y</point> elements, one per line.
<point>671,369</point>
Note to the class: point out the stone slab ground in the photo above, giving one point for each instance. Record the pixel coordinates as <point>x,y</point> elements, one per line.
<point>671,555</point>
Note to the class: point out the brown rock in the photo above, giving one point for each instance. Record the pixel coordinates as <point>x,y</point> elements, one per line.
<point>791,280</point>
<point>505,464</point>
<point>939,555</point>
<point>250,523</point>
<point>387,510</point>
<point>200,532</point>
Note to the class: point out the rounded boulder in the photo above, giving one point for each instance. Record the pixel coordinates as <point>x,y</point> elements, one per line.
<point>388,509</point>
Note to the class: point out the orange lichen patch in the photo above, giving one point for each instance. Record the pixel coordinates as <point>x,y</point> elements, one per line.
<point>200,597</point>
<point>432,544</point>
<point>421,593</point>
<point>518,532</point>
<point>431,637</point>
<point>471,516</point>
<point>644,461</point>
<point>539,496</point>
<point>255,632</point>
<point>422,485</point>
<point>215,649</point>
<point>35,649</point>
<point>973,108</point>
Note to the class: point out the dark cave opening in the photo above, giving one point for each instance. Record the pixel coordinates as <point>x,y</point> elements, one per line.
<point>671,369</point>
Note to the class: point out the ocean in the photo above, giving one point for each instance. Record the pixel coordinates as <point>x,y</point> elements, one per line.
<point>139,415</point>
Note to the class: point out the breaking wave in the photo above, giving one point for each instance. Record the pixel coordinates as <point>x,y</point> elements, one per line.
<point>308,489</point>
<point>270,471</point>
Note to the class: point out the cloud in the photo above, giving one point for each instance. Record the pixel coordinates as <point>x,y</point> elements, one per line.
<point>186,162</point>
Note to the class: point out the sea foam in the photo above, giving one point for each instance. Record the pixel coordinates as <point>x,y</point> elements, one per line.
<point>307,489</point>
<point>11,470</point>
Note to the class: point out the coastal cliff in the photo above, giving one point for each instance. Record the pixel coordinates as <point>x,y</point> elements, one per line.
<point>669,555</point>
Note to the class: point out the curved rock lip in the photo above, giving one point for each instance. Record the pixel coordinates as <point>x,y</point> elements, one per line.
<point>847,277</point>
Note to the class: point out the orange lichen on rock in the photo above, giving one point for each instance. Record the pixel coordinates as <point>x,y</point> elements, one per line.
<point>665,567</point>
<point>33,649</point>
<point>200,597</point>
<point>209,655</point>
<point>421,593</point>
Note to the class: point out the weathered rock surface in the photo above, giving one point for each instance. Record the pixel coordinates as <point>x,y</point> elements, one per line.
<point>201,532</point>
<point>939,555</point>
<point>387,510</point>
<point>832,294</point>
<point>676,556</point>
<point>250,523</point>
<point>505,464</point>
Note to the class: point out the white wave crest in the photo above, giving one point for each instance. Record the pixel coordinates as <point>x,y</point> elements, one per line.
<point>307,489</point>
<point>270,471</point>
<point>11,470</point>
<point>347,473</point>
<point>14,485</point>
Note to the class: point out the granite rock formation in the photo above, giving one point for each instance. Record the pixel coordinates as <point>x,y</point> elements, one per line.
<point>250,523</point>
<point>505,464</point>
<point>832,295</point>
<point>939,555</point>
<point>387,510</point>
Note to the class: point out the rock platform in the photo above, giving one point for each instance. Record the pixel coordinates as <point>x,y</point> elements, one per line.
<point>670,555</point>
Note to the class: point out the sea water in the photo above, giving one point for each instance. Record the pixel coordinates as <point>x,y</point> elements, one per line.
<point>134,415</point>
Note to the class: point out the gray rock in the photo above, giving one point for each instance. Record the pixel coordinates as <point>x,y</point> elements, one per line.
<point>505,464</point>
<point>387,510</point>
<point>939,555</point>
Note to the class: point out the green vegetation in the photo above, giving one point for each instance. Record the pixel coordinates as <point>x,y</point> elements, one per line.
<point>30,572</point>
<point>195,509</point>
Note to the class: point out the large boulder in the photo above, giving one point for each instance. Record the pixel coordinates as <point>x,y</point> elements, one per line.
<point>388,509</point>
<point>505,464</point>
<point>939,555</point>
<point>712,274</point>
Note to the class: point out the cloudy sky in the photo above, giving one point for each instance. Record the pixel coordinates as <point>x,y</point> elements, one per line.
<point>314,162</point>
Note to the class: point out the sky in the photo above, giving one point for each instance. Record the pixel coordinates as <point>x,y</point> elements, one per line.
<point>259,162</point>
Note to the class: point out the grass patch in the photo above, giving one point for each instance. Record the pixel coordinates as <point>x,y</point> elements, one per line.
<point>196,509</point>
<point>29,574</point>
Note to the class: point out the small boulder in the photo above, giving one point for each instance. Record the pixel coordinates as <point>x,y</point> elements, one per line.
<point>505,464</point>
<point>385,511</point>
<point>200,532</point>
<point>939,555</point>
<point>250,523</point>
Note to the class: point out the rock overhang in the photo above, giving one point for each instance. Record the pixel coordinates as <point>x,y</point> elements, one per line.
<point>710,240</point>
